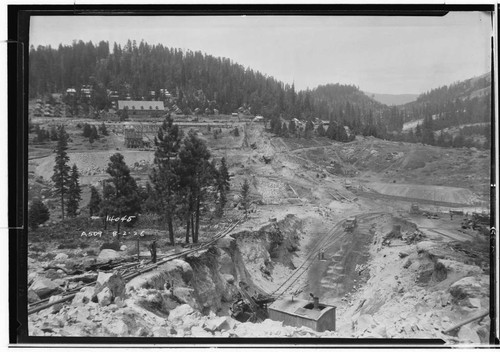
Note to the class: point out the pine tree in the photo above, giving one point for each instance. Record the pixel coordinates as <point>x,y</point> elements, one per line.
<point>103,130</point>
<point>53,134</point>
<point>38,213</point>
<point>223,186</point>
<point>123,198</point>
<point>196,176</point>
<point>245,196</point>
<point>95,201</point>
<point>321,130</point>
<point>61,177</point>
<point>74,192</point>
<point>165,174</point>
<point>93,133</point>
<point>87,130</point>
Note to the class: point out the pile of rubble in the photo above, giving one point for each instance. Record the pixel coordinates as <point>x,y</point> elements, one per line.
<point>419,290</point>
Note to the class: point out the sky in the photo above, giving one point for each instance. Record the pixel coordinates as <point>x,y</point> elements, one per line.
<point>390,55</point>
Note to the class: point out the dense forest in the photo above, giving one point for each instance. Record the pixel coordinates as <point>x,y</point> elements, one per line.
<point>196,80</point>
<point>202,83</point>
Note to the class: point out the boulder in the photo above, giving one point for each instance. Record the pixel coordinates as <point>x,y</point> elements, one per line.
<point>467,335</point>
<point>44,287</point>
<point>84,296</point>
<point>160,332</point>
<point>118,328</point>
<point>365,323</point>
<point>113,281</point>
<point>32,296</point>
<point>185,295</point>
<point>123,248</point>
<point>53,274</point>
<point>175,270</point>
<point>471,286</point>
<point>461,268</point>
<point>179,313</point>
<point>197,331</point>
<point>61,257</point>
<point>226,262</point>
<point>56,307</point>
<point>107,255</point>
<point>433,248</point>
<point>105,297</point>
<point>32,277</point>
<point>218,324</point>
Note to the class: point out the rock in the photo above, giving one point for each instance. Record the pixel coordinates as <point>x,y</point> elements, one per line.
<point>180,312</point>
<point>52,274</point>
<point>120,303</point>
<point>113,281</point>
<point>229,278</point>
<point>32,296</point>
<point>123,248</point>
<point>107,255</point>
<point>56,307</point>
<point>185,295</point>
<point>175,270</point>
<point>118,328</point>
<point>105,297</point>
<point>160,332</point>
<point>474,303</point>
<point>61,257</point>
<point>471,286</point>
<point>408,263</point>
<point>226,262</point>
<point>32,277</point>
<point>433,248</point>
<point>467,335</point>
<point>458,267</point>
<point>84,296</point>
<point>365,322</point>
<point>44,287</point>
<point>217,324</point>
<point>197,331</point>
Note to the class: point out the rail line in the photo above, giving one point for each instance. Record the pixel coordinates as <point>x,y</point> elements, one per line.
<point>325,243</point>
<point>132,270</point>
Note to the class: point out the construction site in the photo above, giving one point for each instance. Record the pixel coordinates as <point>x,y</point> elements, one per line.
<point>365,239</point>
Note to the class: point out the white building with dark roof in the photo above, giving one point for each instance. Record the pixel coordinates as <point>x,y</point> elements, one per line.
<point>140,107</point>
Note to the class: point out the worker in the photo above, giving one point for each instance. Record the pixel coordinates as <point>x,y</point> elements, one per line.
<point>152,250</point>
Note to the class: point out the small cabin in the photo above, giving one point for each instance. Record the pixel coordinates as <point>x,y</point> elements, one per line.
<point>298,312</point>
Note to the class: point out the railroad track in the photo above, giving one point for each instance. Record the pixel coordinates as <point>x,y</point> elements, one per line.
<point>325,243</point>
<point>131,270</point>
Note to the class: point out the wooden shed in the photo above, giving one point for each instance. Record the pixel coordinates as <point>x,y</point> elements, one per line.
<point>297,312</point>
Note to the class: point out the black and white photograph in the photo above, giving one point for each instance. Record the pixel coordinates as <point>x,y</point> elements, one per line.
<point>264,176</point>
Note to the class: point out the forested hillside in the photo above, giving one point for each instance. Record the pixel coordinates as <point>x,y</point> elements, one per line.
<point>197,80</point>
<point>455,115</point>
<point>201,83</point>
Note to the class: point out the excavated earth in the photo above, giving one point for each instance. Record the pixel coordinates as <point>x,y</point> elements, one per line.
<point>396,275</point>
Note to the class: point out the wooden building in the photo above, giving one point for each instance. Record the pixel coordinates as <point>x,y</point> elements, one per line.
<point>297,312</point>
<point>141,107</point>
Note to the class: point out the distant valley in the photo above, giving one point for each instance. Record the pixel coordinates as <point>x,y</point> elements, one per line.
<point>392,99</point>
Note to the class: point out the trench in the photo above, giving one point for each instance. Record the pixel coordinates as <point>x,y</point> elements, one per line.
<point>334,277</point>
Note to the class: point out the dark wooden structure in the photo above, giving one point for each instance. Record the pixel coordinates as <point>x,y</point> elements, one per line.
<point>297,312</point>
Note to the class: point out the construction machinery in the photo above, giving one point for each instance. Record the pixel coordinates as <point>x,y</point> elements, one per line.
<point>477,221</point>
<point>414,209</point>
<point>350,223</point>
<point>248,308</point>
